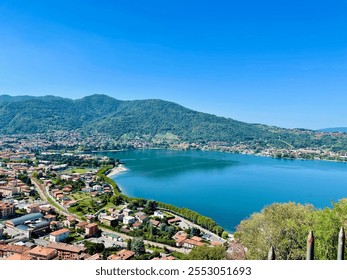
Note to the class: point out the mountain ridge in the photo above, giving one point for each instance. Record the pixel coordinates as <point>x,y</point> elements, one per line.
<point>147,119</point>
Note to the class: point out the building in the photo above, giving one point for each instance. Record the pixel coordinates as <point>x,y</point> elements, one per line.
<point>122,255</point>
<point>127,212</point>
<point>30,224</point>
<point>70,221</point>
<point>24,219</point>
<point>19,257</point>
<point>91,229</point>
<point>191,243</point>
<point>33,208</point>
<point>158,214</point>
<point>109,221</point>
<point>59,235</point>
<point>6,210</point>
<point>8,250</point>
<point>67,251</point>
<point>128,220</point>
<point>8,191</point>
<point>43,253</point>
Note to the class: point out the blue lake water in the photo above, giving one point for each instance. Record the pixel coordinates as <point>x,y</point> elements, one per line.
<point>228,187</point>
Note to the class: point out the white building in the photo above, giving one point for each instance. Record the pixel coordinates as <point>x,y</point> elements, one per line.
<point>59,235</point>
<point>159,214</point>
<point>128,220</point>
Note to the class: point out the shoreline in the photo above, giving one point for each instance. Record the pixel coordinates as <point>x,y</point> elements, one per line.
<point>116,170</point>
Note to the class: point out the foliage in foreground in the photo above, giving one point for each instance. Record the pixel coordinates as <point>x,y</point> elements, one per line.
<point>207,253</point>
<point>286,226</point>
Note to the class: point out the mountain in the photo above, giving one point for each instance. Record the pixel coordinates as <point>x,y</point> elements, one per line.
<point>334,129</point>
<point>148,119</point>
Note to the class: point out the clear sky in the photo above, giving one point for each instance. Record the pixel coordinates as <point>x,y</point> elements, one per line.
<point>275,62</point>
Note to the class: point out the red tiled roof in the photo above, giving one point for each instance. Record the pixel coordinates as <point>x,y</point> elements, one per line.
<point>60,231</point>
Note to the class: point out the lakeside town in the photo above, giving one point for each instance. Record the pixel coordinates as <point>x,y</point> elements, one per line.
<point>62,205</point>
<point>58,202</point>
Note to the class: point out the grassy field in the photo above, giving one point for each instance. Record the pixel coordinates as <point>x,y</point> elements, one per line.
<point>79,170</point>
<point>79,196</point>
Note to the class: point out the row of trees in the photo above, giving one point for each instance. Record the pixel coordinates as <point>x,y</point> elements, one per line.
<point>285,226</point>
<point>194,217</point>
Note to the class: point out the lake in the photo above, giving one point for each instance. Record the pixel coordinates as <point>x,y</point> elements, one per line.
<point>228,187</point>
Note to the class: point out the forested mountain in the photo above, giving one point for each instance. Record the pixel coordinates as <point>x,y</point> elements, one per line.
<point>147,119</point>
<point>334,129</point>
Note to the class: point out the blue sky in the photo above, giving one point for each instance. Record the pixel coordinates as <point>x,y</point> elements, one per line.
<point>281,63</point>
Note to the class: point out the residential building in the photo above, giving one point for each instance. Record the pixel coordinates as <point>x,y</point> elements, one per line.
<point>59,235</point>
<point>122,255</point>
<point>128,220</point>
<point>67,251</point>
<point>6,209</point>
<point>91,229</point>
<point>43,253</point>
<point>109,221</point>
<point>19,257</point>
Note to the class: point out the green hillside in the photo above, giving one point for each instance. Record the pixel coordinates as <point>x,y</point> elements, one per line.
<point>148,119</point>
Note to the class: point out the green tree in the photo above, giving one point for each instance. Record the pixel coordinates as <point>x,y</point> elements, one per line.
<point>138,246</point>
<point>207,253</point>
<point>284,226</point>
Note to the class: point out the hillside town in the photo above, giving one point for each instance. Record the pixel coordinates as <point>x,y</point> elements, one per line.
<point>60,205</point>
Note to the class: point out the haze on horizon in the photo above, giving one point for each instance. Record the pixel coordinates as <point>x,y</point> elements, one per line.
<point>277,63</point>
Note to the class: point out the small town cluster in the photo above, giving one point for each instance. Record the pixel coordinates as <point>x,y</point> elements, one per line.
<point>62,205</point>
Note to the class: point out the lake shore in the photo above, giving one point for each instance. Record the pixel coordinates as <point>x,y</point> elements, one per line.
<point>116,170</point>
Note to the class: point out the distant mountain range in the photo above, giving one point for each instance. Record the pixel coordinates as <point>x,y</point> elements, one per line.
<point>148,119</point>
<point>334,129</point>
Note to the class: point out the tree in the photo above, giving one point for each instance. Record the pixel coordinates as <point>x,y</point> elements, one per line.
<point>284,226</point>
<point>207,253</point>
<point>138,246</point>
<point>225,235</point>
<point>129,244</point>
<point>327,223</point>
<point>150,207</point>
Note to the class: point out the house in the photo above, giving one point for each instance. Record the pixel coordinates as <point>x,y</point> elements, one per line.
<point>81,225</point>
<point>19,257</point>
<point>158,214</point>
<point>154,222</point>
<point>109,221</point>
<point>191,243</point>
<point>174,220</point>
<point>179,237</point>
<point>8,250</point>
<point>42,253</point>
<point>94,257</point>
<point>67,251</point>
<point>33,208</point>
<point>127,212</point>
<point>136,225</point>
<point>122,255</point>
<point>91,229</point>
<point>128,220</point>
<point>90,218</point>
<point>140,216</point>
<point>7,209</point>
<point>169,258</point>
<point>59,235</point>
<point>70,221</point>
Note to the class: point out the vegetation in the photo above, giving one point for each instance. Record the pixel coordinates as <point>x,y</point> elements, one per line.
<point>286,226</point>
<point>207,253</point>
<point>194,217</point>
<point>155,121</point>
